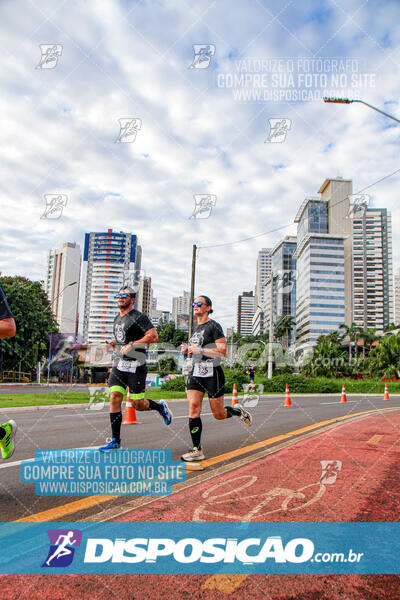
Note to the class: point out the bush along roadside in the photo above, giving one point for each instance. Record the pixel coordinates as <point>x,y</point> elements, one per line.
<point>299,385</point>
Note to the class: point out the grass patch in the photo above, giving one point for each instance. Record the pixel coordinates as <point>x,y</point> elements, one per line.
<point>60,398</point>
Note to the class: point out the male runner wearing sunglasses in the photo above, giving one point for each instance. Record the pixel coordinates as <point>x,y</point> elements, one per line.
<point>7,329</point>
<point>207,345</point>
<point>133,331</point>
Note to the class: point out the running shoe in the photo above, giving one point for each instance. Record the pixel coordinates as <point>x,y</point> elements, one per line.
<point>245,416</point>
<point>111,445</point>
<point>7,443</point>
<point>193,455</point>
<point>166,413</point>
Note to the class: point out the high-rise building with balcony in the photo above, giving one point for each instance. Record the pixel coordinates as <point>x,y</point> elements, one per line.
<point>109,259</point>
<point>373,304</point>
<point>245,313</point>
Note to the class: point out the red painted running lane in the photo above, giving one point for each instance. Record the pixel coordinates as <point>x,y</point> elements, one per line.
<point>360,482</point>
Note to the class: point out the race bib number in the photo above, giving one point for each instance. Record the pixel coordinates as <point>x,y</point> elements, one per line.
<point>127,366</point>
<point>203,369</point>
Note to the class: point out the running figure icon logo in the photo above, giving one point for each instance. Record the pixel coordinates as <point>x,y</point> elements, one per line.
<point>278,130</point>
<point>50,54</point>
<point>203,205</point>
<point>62,547</point>
<point>202,56</point>
<point>128,130</point>
<point>55,204</point>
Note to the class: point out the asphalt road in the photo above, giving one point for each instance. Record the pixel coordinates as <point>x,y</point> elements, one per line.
<point>76,427</point>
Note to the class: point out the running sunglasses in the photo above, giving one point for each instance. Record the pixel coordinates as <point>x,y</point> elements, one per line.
<point>121,295</point>
<point>197,303</point>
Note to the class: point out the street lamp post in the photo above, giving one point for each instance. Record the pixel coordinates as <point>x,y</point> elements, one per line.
<point>348,101</point>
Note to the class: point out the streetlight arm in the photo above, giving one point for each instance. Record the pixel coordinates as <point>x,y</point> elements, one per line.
<point>348,101</point>
<point>378,110</point>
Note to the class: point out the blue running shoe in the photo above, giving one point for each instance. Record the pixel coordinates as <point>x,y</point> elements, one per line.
<point>166,413</point>
<point>111,445</point>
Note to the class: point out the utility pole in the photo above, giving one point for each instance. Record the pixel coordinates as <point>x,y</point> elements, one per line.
<point>192,291</point>
<point>271,326</point>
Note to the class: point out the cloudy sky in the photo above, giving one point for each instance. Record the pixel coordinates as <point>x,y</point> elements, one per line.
<point>198,132</point>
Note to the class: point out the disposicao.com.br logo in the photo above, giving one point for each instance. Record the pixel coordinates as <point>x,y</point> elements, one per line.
<point>191,550</point>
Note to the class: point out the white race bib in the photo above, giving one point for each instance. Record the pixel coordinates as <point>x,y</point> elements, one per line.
<point>127,366</point>
<point>203,368</point>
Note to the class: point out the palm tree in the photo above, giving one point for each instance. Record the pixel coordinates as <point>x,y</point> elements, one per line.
<point>283,328</point>
<point>353,333</point>
<point>368,337</point>
<point>384,358</point>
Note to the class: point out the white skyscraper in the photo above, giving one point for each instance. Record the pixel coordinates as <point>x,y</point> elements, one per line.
<point>264,262</point>
<point>245,313</point>
<point>109,259</point>
<point>372,264</point>
<point>397,296</point>
<point>63,269</point>
<point>180,306</point>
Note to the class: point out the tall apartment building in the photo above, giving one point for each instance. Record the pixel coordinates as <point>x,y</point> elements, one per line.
<point>143,297</point>
<point>109,258</point>
<point>62,285</point>
<point>397,296</point>
<point>180,306</point>
<point>372,267</point>
<point>264,262</point>
<point>324,262</point>
<point>245,312</point>
<point>263,272</point>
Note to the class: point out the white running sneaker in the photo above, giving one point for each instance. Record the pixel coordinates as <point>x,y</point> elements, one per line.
<point>245,415</point>
<point>193,455</point>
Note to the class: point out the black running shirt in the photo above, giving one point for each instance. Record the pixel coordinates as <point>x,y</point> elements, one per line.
<point>204,335</point>
<point>130,328</point>
<point>5,313</point>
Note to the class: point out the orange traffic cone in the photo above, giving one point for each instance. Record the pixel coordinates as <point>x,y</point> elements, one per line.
<point>343,398</point>
<point>386,396</point>
<point>288,401</point>
<point>234,395</point>
<point>130,413</point>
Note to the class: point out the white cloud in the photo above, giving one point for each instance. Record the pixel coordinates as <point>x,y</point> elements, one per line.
<point>62,123</point>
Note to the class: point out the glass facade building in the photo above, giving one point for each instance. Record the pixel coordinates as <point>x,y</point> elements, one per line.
<point>320,297</point>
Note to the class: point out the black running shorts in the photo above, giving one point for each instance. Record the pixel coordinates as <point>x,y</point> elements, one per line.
<point>136,382</point>
<point>214,386</point>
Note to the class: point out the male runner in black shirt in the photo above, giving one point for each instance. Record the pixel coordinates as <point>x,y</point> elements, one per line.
<point>133,331</point>
<point>7,329</point>
<point>207,345</point>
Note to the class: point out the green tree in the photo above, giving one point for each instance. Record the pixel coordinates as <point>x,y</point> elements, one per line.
<point>167,363</point>
<point>283,328</point>
<point>385,358</point>
<point>328,359</point>
<point>353,333</point>
<point>33,319</point>
<point>169,333</point>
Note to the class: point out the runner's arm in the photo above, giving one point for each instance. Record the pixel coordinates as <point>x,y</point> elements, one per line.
<point>7,328</point>
<point>220,349</point>
<point>150,337</point>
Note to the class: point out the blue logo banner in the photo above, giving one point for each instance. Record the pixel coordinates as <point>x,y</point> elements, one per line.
<point>200,548</point>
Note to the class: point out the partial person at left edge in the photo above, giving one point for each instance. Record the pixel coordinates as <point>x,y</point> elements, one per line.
<point>7,330</point>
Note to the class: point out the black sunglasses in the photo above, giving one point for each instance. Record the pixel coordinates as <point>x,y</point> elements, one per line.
<point>197,303</point>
